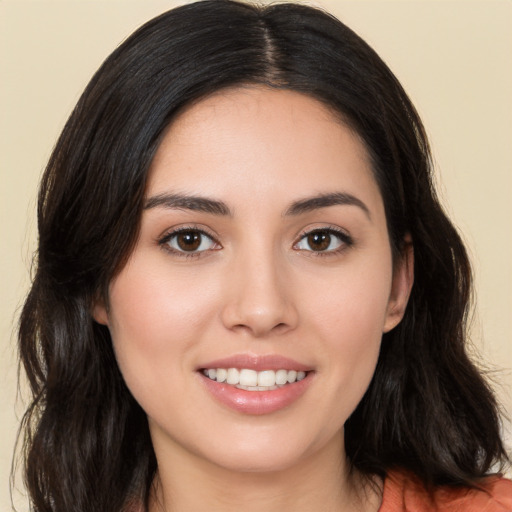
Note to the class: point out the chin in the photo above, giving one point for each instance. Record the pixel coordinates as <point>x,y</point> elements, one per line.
<point>269,461</point>
<point>264,454</point>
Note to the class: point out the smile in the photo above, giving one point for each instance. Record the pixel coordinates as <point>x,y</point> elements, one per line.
<point>252,380</point>
<point>226,386</point>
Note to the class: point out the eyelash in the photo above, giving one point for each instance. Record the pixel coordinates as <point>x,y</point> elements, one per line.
<point>344,238</point>
<point>346,241</point>
<point>164,241</point>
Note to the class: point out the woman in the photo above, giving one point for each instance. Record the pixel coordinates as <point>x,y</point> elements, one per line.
<point>247,293</point>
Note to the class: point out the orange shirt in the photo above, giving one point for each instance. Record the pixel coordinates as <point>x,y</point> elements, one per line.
<point>404,492</point>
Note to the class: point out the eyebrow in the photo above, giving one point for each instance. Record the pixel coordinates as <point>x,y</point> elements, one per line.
<point>325,200</point>
<point>187,202</point>
<point>216,207</point>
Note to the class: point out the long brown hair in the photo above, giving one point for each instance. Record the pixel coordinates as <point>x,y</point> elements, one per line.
<point>87,445</point>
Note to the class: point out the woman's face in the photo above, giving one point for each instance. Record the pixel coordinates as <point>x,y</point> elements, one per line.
<point>263,248</point>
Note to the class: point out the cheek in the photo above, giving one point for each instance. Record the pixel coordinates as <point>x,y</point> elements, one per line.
<point>152,305</point>
<point>348,318</point>
<point>352,305</point>
<point>156,321</point>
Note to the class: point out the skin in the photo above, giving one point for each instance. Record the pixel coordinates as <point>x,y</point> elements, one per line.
<point>257,288</point>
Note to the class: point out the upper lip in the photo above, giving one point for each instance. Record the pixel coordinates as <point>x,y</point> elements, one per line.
<point>257,362</point>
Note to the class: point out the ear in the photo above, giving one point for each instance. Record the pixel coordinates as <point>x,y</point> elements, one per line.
<point>99,311</point>
<point>403,279</point>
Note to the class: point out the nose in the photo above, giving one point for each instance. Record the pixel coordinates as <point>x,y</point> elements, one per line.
<point>259,298</point>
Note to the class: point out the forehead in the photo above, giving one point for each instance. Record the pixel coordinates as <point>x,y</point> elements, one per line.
<point>253,141</point>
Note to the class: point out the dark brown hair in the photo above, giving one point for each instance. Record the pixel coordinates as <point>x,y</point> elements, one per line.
<point>87,445</point>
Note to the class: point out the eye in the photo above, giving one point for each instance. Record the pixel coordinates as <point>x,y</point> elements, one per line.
<point>189,241</point>
<point>323,240</point>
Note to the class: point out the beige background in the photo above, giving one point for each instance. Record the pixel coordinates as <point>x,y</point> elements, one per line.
<point>453,57</point>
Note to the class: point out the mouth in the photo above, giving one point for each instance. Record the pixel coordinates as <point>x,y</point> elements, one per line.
<point>256,384</point>
<point>253,380</point>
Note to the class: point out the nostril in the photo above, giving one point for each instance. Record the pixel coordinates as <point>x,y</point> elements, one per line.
<point>258,329</point>
<point>258,315</point>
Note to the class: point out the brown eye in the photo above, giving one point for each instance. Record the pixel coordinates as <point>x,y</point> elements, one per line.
<point>319,240</point>
<point>190,240</point>
<point>322,240</point>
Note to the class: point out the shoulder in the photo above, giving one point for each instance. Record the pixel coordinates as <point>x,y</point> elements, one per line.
<point>404,492</point>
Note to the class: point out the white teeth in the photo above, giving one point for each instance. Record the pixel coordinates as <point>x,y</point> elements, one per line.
<point>267,378</point>
<point>222,374</point>
<point>281,377</point>
<point>256,388</point>
<point>252,380</point>
<point>248,378</point>
<point>233,376</point>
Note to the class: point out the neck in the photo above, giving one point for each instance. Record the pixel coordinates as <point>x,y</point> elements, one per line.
<point>185,482</point>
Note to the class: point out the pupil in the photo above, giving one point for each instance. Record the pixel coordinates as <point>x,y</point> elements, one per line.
<point>189,241</point>
<point>319,241</point>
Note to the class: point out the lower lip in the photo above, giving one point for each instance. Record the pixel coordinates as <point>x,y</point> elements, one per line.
<point>257,402</point>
